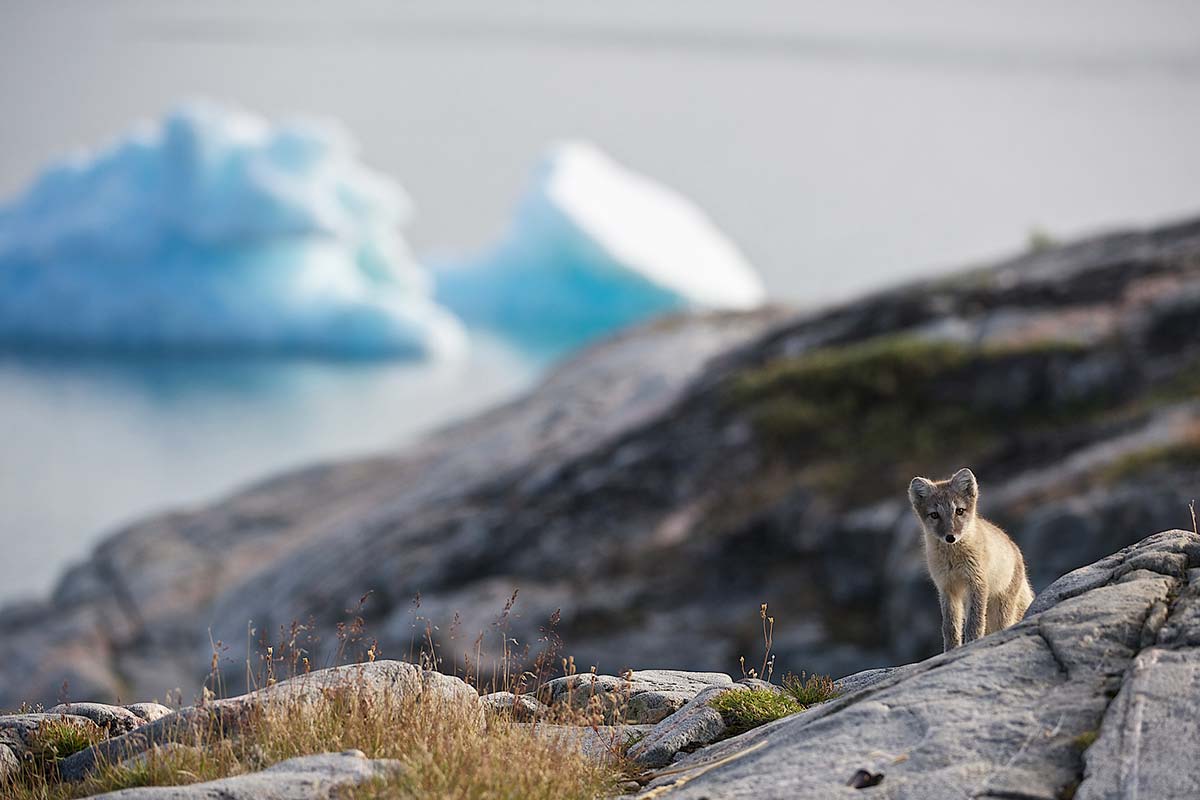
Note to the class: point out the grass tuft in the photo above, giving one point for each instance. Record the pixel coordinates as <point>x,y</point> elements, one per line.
<point>808,689</point>
<point>746,709</point>
<point>57,739</point>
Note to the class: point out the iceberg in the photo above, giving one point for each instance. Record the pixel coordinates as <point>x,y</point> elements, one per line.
<point>593,248</point>
<point>216,231</point>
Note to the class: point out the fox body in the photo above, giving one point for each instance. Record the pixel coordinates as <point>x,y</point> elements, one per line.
<point>978,570</point>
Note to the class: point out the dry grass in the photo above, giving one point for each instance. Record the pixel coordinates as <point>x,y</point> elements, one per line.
<point>447,749</point>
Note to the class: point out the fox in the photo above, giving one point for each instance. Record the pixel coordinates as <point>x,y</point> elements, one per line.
<point>978,570</point>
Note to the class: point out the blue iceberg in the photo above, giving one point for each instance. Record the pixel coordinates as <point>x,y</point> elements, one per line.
<point>593,248</point>
<point>215,231</point>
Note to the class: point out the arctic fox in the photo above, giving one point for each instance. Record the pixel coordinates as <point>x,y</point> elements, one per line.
<point>975,566</point>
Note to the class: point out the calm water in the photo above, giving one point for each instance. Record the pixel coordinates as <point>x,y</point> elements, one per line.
<point>843,147</point>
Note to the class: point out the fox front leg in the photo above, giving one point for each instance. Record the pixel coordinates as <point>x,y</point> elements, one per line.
<point>952,619</point>
<point>976,612</point>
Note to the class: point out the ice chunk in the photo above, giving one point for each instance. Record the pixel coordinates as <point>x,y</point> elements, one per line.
<point>217,231</point>
<point>593,248</point>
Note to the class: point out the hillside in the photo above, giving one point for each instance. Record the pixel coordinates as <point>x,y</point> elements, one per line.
<point>655,489</point>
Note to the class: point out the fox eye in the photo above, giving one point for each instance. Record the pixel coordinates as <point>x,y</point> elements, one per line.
<point>960,511</point>
<point>934,515</point>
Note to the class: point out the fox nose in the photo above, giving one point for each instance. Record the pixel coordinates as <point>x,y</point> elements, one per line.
<point>950,539</point>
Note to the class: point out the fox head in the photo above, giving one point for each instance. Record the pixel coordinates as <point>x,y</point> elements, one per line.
<point>945,508</point>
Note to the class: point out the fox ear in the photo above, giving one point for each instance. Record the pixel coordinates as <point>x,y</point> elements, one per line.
<point>919,489</point>
<point>964,483</point>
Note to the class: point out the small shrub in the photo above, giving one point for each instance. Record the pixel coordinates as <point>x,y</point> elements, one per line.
<point>58,739</point>
<point>808,690</point>
<point>743,710</point>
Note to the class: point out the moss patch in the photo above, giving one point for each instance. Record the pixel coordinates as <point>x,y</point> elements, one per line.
<point>743,710</point>
<point>894,406</point>
<point>1184,454</point>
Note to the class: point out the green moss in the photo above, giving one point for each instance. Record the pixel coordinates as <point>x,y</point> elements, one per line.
<point>897,404</point>
<point>1086,739</point>
<point>809,689</point>
<point>1184,454</point>
<point>743,710</point>
<point>1183,385</point>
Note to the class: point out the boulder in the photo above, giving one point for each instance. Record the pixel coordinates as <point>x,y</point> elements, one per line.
<point>695,725</point>
<point>522,707</point>
<point>149,712</point>
<point>640,697</point>
<point>115,720</point>
<point>317,777</point>
<point>1094,695</point>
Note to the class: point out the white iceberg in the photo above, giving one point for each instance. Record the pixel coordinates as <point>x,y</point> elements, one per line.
<point>217,231</point>
<point>593,248</point>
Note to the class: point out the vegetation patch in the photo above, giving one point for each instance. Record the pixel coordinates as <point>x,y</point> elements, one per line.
<point>445,749</point>
<point>1184,454</point>
<point>895,405</point>
<point>808,690</point>
<point>743,710</point>
<point>59,739</point>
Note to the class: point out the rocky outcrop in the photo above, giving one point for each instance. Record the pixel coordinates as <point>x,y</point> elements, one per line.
<point>697,724</point>
<point>653,491</point>
<point>638,697</point>
<point>693,726</point>
<point>1091,696</point>
<point>319,777</point>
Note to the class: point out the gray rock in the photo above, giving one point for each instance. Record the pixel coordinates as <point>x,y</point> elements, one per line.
<point>863,680</point>
<point>759,683</point>
<point>641,697</point>
<point>602,742</point>
<point>115,720</point>
<point>522,707</point>
<point>1011,714</point>
<point>695,725</point>
<point>149,712</point>
<point>318,777</point>
<point>377,683</point>
<point>9,763</point>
